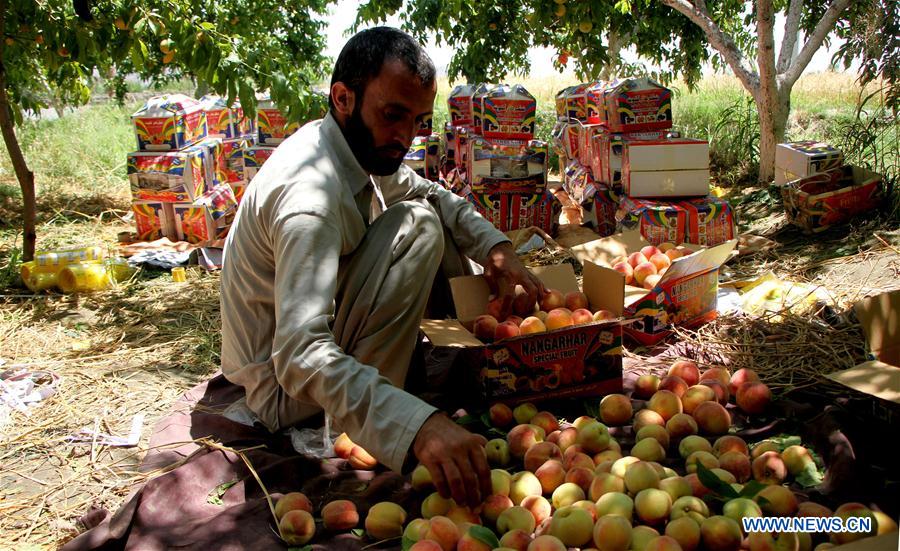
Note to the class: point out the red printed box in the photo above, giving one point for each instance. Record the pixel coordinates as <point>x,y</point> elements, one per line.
<point>638,105</point>
<point>509,113</point>
<point>254,158</point>
<point>459,103</point>
<point>175,176</point>
<point>585,360</point>
<point>272,124</point>
<point>424,155</point>
<point>478,95</point>
<point>576,102</point>
<point>226,122</point>
<point>232,167</point>
<point>512,210</point>
<point>154,220</point>
<point>208,218</point>
<point>599,207</point>
<point>705,221</point>
<point>818,202</point>
<point>169,123</point>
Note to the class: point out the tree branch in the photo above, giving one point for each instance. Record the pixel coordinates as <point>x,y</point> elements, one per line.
<point>791,30</point>
<point>814,42</point>
<point>765,51</point>
<point>718,40</point>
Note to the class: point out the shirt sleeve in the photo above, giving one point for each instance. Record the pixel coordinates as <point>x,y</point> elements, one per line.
<point>474,235</point>
<point>310,366</point>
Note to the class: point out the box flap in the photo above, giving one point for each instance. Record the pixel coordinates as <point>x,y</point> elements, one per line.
<point>634,294</point>
<point>604,287</point>
<point>449,333</point>
<point>880,320</point>
<point>602,251</point>
<point>470,297</point>
<point>873,378</point>
<point>700,261</point>
<point>557,276</point>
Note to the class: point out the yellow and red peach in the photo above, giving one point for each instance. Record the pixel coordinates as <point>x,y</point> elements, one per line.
<point>641,536</point>
<point>666,403</point>
<point>681,425</point>
<point>293,501</point>
<point>651,281</point>
<point>605,483</point>
<point>621,465</point>
<point>674,254</point>
<point>649,250</point>
<point>593,438</point>
<point>444,531</point>
<point>712,418</point>
<point>559,318</point>
<point>572,526</point>
<point>575,300</point>
<point>797,459</point>
<point>522,485</point>
<point>813,509</point>
<point>640,476</point>
<point>720,533</point>
<point>661,261</point>
<point>676,487</point>
<point>656,432</point>
<point>426,545</point>
<point>435,505</point>
<point>568,437</point>
<point>501,416</point>
<point>492,506</point>
<point>687,371</point>
<point>647,417</point>
<point>885,523</point>
<point>673,383</point>
<point>470,542</point>
<point>522,437</point>
<point>636,259</point>
<point>615,409</point>
<point>580,476</point>
<point>691,444</point>
<point>485,326</point>
<point>515,518</point>
<point>532,325</point>
<point>500,482</point>
<point>765,541</point>
<point>686,532</point>
<point>777,501</point>
<point>615,503</point>
<point>753,398</point>
<point>516,539</point>
<point>716,373</point>
<point>741,507</point>
<point>603,315</point>
<point>741,376</point>
<point>737,464</point>
<point>645,386</point>
<point>642,270</point>
<point>627,270</point>
<point>846,510</point>
<point>546,421</point>
<point>506,330</point>
<point>340,514</point>
<point>551,474</point>
<point>546,542</point>
<point>552,299</point>
<point>416,529</point>
<point>576,459</point>
<point>566,494</point>
<point>462,516</point>
<point>691,507</point>
<point>763,447</point>
<point>662,543</point>
<point>582,316</point>
<point>722,394</point>
<point>697,487</point>
<point>730,443</point>
<point>540,453</point>
<point>612,533</point>
<point>665,246</point>
<point>696,395</point>
<point>769,468</point>
<point>653,506</point>
<point>497,452</point>
<point>297,527</point>
<point>648,449</point>
<point>706,459</point>
<point>539,507</point>
<point>385,520</point>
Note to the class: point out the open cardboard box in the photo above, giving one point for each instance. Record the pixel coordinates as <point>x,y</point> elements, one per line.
<point>585,360</point>
<point>878,379</point>
<point>685,296</point>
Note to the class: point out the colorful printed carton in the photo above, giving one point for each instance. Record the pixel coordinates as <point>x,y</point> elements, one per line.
<point>576,102</point>
<point>424,156</point>
<point>232,167</point>
<point>817,202</point>
<point>478,95</point>
<point>425,127</point>
<point>509,114</point>
<point>272,124</point>
<point>595,106</point>
<point>154,220</point>
<point>669,167</point>
<point>685,296</point>
<point>254,157</point>
<point>226,122</point>
<point>607,151</point>
<point>214,161</point>
<point>704,221</point>
<point>173,176</point>
<point>562,113</point>
<point>169,123</point>
<point>599,206</point>
<point>208,218</point>
<point>585,360</point>
<point>239,190</point>
<point>459,103</point>
<point>509,211</point>
<point>638,105</point>
<point>801,159</point>
<point>509,169</point>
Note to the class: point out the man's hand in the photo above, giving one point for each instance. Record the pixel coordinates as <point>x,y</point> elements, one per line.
<point>456,460</point>
<point>504,271</point>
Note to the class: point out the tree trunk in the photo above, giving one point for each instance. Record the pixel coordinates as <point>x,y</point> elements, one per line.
<point>23,174</point>
<point>773,115</point>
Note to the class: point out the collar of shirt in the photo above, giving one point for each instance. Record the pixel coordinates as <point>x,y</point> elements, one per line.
<point>351,172</point>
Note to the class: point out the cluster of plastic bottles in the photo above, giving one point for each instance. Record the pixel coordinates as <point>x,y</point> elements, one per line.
<point>74,270</point>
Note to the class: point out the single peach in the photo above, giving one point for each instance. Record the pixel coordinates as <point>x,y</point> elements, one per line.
<point>717,373</point>
<point>769,468</point>
<point>712,418</point>
<point>559,318</point>
<point>615,409</point>
<point>612,532</point>
<point>603,315</point>
<point>696,395</point>
<point>539,507</point>
<point>522,437</point>
<point>636,259</point>
<point>385,520</point>
<point>340,514</point>
<point>627,271</point>
<point>642,270</point>
<point>297,527</point>
<point>687,371</point>
<point>532,325</point>
<point>546,421</point>
<point>443,531</point>
<point>741,376</point>
<point>681,425</point>
<point>485,327</point>
<point>506,330</point>
<point>501,415</point>
<point>492,506</point>
<point>657,432</point>
<point>646,417</point>
<point>730,443</point>
<point>605,483</point>
<point>293,501</point>
<point>737,464</point>
<point>576,300</point>
<point>582,316</point>
<point>552,299</point>
<point>753,398</point>
<point>666,403</point>
<point>673,383</point>
<point>722,394</point>
<point>540,453</point>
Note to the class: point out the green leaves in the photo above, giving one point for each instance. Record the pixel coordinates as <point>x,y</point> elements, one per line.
<point>215,496</point>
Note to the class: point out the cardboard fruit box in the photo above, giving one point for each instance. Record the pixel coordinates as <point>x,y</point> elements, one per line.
<point>170,176</point>
<point>638,105</point>
<point>254,158</point>
<point>607,150</point>
<point>233,159</point>
<point>169,123</point>
<point>272,124</point>
<point>817,202</point>
<point>208,218</point>
<point>509,211</point>
<point>154,220</point>
<point>509,169</point>
<point>478,95</point>
<point>801,159</point>
<point>423,156</point>
<point>704,221</point>
<point>226,122</point>
<point>459,104</point>
<point>509,114</point>
<point>584,360</point>
<point>669,167</point>
<point>685,295</point>
<point>576,102</point>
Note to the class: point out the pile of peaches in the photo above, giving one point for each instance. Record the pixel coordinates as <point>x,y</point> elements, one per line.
<point>555,310</point>
<point>685,484</point>
<point>646,267</point>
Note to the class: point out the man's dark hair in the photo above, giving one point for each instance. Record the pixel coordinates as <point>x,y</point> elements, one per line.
<point>367,51</point>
